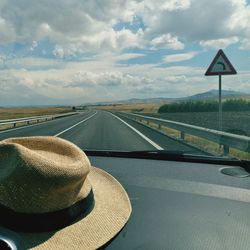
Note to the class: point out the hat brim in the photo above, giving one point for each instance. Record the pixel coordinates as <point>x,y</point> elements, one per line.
<point>111,212</point>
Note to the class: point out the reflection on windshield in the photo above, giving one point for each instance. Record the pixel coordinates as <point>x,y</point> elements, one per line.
<point>128,75</point>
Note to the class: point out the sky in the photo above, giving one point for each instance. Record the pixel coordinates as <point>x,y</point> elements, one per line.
<point>76,52</point>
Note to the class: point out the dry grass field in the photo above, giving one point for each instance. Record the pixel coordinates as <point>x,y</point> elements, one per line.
<point>12,113</point>
<point>137,107</point>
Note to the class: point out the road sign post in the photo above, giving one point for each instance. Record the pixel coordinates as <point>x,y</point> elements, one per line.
<point>220,66</point>
<point>220,105</point>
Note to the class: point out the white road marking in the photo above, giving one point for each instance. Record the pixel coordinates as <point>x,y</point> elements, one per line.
<point>140,134</point>
<point>75,125</point>
<point>23,127</point>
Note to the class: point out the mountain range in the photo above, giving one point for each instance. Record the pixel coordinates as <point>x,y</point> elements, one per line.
<point>26,97</point>
<point>209,95</point>
<point>213,93</point>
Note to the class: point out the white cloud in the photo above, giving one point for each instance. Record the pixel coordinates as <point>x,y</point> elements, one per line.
<point>33,45</point>
<point>179,57</point>
<point>76,27</point>
<point>73,25</point>
<point>127,56</point>
<point>112,40</point>
<point>245,44</point>
<point>104,41</point>
<point>58,52</point>
<point>109,79</point>
<point>170,5</point>
<point>167,41</point>
<point>219,43</point>
<point>102,79</point>
<point>7,31</point>
<point>199,20</point>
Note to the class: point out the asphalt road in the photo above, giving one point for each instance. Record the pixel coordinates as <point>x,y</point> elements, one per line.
<point>101,130</point>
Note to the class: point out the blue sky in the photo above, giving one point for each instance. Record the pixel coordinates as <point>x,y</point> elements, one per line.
<point>73,52</point>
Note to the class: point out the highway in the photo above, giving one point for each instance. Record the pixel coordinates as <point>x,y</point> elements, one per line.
<point>101,130</point>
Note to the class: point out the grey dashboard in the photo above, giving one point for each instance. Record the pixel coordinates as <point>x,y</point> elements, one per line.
<point>181,205</point>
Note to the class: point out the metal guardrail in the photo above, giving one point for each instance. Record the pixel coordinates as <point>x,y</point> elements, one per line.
<point>228,140</point>
<point>34,118</point>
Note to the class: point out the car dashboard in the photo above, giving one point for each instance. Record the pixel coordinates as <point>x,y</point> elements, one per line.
<point>181,205</point>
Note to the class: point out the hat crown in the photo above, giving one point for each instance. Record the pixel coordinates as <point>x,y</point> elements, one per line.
<point>42,174</point>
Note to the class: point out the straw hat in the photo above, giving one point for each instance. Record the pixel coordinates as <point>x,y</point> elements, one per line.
<point>54,198</point>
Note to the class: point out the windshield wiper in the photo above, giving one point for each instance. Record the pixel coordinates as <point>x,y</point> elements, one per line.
<point>171,155</point>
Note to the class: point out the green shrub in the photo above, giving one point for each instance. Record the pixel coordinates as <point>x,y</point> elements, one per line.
<point>205,106</point>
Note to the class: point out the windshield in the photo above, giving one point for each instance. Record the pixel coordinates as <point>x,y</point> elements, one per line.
<point>128,75</point>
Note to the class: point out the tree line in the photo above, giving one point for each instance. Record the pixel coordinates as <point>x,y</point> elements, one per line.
<point>205,106</point>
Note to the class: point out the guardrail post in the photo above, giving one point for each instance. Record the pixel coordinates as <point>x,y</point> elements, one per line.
<point>27,120</point>
<point>239,142</point>
<point>225,149</point>
<point>182,135</point>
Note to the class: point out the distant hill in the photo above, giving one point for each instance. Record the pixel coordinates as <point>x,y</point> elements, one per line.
<point>24,96</point>
<point>146,100</point>
<point>211,94</point>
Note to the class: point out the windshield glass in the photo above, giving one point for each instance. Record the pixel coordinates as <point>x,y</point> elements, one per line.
<point>128,75</point>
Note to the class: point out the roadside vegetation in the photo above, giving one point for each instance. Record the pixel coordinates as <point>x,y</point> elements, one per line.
<point>12,113</point>
<point>205,106</point>
<point>15,113</point>
<point>133,107</point>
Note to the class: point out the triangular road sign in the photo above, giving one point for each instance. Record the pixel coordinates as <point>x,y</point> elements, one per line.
<point>220,66</point>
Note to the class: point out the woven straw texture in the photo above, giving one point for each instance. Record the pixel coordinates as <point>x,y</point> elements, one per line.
<point>44,174</point>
